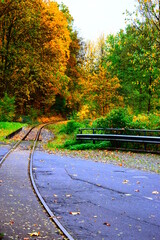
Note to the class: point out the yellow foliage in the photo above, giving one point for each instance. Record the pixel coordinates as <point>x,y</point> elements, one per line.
<point>84,112</point>
<point>141,118</point>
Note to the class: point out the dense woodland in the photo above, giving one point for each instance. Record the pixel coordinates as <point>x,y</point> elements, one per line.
<point>47,68</point>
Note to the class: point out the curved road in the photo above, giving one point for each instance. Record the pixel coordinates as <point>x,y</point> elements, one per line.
<point>92,200</point>
<point>21,215</point>
<point>99,201</point>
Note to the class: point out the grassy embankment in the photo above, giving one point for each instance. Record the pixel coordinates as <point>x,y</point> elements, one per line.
<point>8,127</point>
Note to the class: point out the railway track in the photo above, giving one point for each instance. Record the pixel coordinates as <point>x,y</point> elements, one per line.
<point>33,135</point>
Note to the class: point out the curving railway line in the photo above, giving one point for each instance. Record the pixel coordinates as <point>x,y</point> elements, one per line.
<point>92,200</point>
<point>30,139</point>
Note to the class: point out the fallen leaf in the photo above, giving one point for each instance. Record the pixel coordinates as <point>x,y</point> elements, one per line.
<point>125,181</point>
<point>74,175</point>
<point>68,195</point>
<point>128,194</point>
<point>107,224</point>
<point>98,185</point>
<point>11,222</point>
<point>155,192</point>
<point>149,198</point>
<point>74,213</point>
<point>34,234</point>
<point>137,190</point>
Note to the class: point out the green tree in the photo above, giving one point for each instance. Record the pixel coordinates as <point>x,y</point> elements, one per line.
<point>7,108</point>
<point>134,59</point>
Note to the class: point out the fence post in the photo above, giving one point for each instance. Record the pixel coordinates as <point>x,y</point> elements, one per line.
<point>80,131</point>
<point>145,144</point>
<point>94,133</point>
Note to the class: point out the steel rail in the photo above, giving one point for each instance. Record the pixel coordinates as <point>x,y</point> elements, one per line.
<point>30,172</point>
<point>15,145</point>
<point>48,210</point>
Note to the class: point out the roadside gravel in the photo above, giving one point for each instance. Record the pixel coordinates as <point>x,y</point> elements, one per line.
<point>141,161</point>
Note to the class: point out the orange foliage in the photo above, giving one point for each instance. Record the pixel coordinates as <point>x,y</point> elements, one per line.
<point>35,44</point>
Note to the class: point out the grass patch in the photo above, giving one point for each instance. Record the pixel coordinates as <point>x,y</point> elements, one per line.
<point>60,137</point>
<point>8,127</point>
<point>65,137</point>
<point>89,146</point>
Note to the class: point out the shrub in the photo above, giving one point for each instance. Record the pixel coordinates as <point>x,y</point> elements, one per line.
<point>71,127</point>
<point>33,113</point>
<point>31,117</point>
<point>119,118</point>
<point>144,121</point>
<point>69,143</point>
<point>7,108</point>
<point>100,123</point>
<point>89,146</point>
<point>154,121</point>
<point>26,119</point>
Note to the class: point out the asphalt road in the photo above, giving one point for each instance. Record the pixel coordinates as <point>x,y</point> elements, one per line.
<point>4,148</point>
<point>21,214</point>
<point>99,201</point>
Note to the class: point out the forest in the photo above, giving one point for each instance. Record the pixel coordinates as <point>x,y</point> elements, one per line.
<point>48,69</point>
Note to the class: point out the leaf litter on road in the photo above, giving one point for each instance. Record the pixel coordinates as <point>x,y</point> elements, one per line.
<point>74,213</point>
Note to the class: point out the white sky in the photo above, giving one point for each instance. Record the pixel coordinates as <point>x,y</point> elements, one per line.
<point>95,17</point>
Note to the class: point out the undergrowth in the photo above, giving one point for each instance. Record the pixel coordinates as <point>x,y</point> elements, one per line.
<point>65,132</point>
<point>65,137</point>
<point>8,127</point>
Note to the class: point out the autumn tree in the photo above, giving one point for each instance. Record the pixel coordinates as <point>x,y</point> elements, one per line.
<point>102,92</point>
<point>100,87</point>
<point>34,46</point>
<point>69,100</point>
